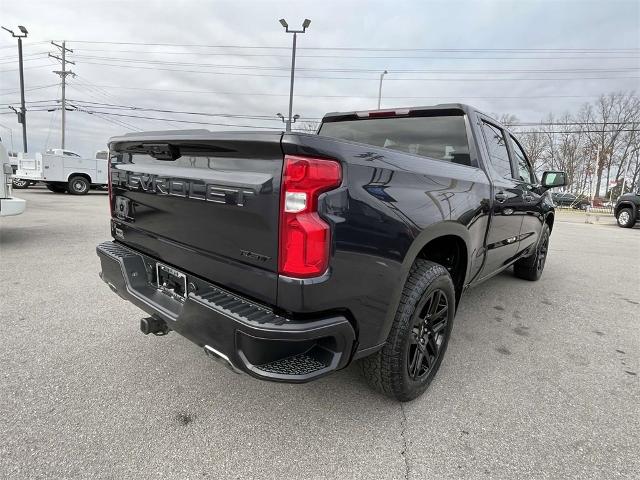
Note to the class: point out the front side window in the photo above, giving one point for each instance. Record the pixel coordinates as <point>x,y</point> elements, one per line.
<point>442,137</point>
<point>525,174</point>
<point>497,146</point>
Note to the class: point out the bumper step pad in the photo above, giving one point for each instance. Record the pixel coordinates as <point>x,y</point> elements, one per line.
<point>302,364</point>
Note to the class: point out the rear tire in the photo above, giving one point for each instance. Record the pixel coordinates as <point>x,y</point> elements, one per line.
<point>79,186</point>
<point>56,188</point>
<point>20,183</point>
<point>531,268</point>
<point>415,347</point>
<point>625,218</point>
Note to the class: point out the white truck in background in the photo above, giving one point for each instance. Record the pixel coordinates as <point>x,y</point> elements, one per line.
<point>62,171</point>
<point>9,205</point>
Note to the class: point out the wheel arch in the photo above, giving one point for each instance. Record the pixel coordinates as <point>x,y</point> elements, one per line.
<point>80,174</point>
<point>549,219</point>
<point>626,204</point>
<point>448,233</point>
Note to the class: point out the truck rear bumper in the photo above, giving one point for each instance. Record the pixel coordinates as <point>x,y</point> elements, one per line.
<point>248,336</point>
<point>11,206</point>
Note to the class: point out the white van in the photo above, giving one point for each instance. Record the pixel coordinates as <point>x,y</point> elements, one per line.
<point>8,205</point>
<point>62,171</point>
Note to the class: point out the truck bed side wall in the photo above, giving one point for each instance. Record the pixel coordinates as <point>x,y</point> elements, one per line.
<point>391,205</point>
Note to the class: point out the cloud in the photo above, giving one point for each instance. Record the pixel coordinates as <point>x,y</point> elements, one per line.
<point>400,24</point>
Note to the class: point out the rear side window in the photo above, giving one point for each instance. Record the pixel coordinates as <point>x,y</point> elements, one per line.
<point>497,146</point>
<point>441,137</point>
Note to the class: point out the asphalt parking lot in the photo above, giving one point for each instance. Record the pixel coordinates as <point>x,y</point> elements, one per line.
<point>540,379</point>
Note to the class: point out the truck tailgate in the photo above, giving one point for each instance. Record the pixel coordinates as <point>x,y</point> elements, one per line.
<point>204,202</point>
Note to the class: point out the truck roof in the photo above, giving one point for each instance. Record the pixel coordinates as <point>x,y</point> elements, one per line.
<point>338,116</point>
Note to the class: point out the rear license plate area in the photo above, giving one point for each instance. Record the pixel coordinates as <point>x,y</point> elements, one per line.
<point>171,282</point>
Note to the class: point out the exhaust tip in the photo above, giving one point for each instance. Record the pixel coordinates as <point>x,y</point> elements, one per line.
<point>220,358</point>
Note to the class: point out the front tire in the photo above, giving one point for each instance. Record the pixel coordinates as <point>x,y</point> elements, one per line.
<point>78,186</point>
<point>625,218</point>
<point>415,347</point>
<point>531,268</point>
<point>20,183</point>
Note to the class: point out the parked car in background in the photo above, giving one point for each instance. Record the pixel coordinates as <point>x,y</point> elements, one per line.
<point>9,205</point>
<point>627,209</point>
<point>566,199</point>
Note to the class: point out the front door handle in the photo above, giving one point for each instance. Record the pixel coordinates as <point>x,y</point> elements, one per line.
<point>501,197</point>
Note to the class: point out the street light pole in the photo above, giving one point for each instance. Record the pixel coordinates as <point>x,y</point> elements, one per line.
<point>380,88</point>
<point>22,117</point>
<point>305,25</point>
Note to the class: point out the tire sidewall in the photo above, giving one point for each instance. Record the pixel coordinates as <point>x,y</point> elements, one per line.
<point>21,184</point>
<point>72,188</point>
<point>410,388</point>
<point>628,222</point>
<point>545,236</point>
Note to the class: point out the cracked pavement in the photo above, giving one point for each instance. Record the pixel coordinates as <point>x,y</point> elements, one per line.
<point>539,381</point>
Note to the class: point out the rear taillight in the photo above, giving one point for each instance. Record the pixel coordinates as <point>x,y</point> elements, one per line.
<point>304,236</point>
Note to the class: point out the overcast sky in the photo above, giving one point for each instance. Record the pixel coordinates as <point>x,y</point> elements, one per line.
<point>200,83</point>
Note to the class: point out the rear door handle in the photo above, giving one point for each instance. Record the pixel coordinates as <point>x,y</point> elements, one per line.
<point>501,197</point>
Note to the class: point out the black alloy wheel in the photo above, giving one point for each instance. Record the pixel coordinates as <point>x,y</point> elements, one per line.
<point>543,248</point>
<point>427,337</point>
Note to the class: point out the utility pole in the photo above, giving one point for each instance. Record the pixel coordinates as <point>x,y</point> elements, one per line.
<point>63,79</point>
<point>305,25</point>
<point>22,116</point>
<point>380,88</point>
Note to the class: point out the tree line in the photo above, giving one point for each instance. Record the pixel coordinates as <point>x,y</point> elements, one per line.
<point>598,146</point>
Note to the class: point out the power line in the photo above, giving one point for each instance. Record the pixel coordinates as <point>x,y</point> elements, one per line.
<point>41,87</point>
<point>28,68</point>
<point>118,87</point>
<point>571,132</point>
<point>384,57</point>
<point>182,121</point>
<point>369,49</point>
<point>145,109</point>
<point>360,70</point>
<point>362,78</point>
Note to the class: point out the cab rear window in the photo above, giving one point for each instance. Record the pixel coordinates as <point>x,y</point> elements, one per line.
<point>438,137</point>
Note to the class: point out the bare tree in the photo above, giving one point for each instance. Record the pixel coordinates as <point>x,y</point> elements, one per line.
<point>534,144</point>
<point>608,120</point>
<point>309,126</point>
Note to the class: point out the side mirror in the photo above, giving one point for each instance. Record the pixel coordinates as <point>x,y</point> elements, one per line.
<point>553,179</point>
<point>7,169</point>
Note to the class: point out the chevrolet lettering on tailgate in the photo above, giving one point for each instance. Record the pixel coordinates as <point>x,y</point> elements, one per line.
<point>178,187</point>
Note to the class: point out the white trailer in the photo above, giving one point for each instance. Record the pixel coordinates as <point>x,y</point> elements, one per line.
<point>62,171</point>
<point>9,205</point>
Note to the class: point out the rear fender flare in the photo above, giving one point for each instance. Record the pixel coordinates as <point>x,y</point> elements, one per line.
<point>427,235</point>
<point>631,205</point>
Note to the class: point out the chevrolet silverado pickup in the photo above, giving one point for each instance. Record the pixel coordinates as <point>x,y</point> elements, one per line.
<point>288,256</point>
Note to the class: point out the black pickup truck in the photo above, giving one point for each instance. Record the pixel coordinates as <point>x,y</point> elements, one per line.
<point>627,209</point>
<point>288,255</point>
